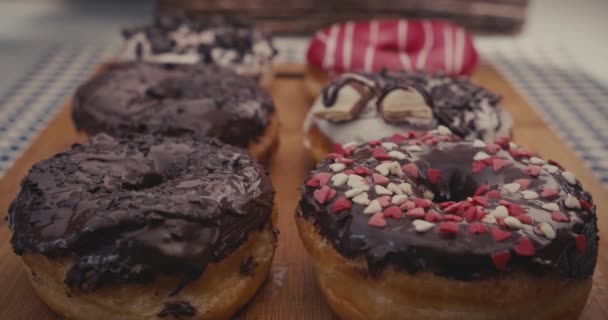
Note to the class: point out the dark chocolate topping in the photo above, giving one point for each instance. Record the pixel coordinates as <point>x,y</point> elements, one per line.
<point>486,216</point>
<point>454,100</point>
<point>173,99</point>
<point>177,309</point>
<point>129,209</point>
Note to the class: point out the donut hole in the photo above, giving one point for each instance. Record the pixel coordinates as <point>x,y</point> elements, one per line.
<point>458,187</point>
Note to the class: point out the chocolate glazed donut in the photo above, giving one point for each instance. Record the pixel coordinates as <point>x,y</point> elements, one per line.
<point>143,226</point>
<point>427,226</point>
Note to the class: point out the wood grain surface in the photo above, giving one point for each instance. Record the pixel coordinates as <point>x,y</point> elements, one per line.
<point>290,292</point>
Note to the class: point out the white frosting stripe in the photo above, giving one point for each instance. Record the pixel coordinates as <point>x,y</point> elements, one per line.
<point>449,51</point>
<point>369,52</point>
<point>347,49</point>
<point>428,44</point>
<point>459,50</point>
<point>401,42</point>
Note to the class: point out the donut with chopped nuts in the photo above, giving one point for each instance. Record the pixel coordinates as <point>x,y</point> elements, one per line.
<point>358,107</point>
<point>200,100</point>
<point>145,227</point>
<point>429,226</point>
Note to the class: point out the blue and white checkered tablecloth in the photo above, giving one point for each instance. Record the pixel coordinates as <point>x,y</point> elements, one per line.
<point>571,102</point>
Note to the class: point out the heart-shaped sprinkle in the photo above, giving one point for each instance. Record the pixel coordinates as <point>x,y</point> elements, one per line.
<point>585,205</point>
<point>414,148</point>
<point>492,148</point>
<point>504,142</point>
<point>393,212</point>
<point>546,230</point>
<point>394,188</point>
<point>477,228</point>
<point>407,205</point>
<point>550,168</point>
<point>478,143</point>
<point>433,175</point>
<point>388,145</point>
<point>397,138</point>
<point>512,223</point>
<point>516,210</point>
<point>411,170</point>
<point>524,247</point>
<point>571,202</point>
<point>362,199</point>
<point>559,217</point>
<point>500,212</point>
<point>532,170</point>
<point>445,204</point>
<point>537,161</point>
<point>581,242</point>
<point>399,199</point>
<point>422,225</point>
<point>494,194</point>
<point>416,213</point>
<point>345,161</point>
<point>396,155</point>
<point>341,204</point>
<point>348,172</point>
<point>549,193</point>
<point>481,201</point>
<point>529,195</point>
<point>374,143</point>
<point>373,207</point>
<point>551,206</point>
<point>501,259</point>
<point>500,235</point>
<point>478,166</point>
<point>511,187</point>
<point>422,203</point>
<point>569,177</point>
<point>380,154</point>
<point>480,214</point>
<point>432,216</point>
<point>355,181</point>
<point>452,217</point>
<point>489,219</point>
<point>334,156</point>
<point>383,168</point>
<point>481,190</point>
<point>338,149</point>
<point>362,171</point>
<point>377,220</point>
<point>470,214</point>
<point>428,195</point>
<point>498,164</point>
<point>524,219</point>
<point>384,201</point>
<point>523,183</point>
<point>355,191</point>
<point>480,156</point>
<point>380,179</point>
<point>443,130</point>
<point>339,179</point>
<point>406,188</point>
<point>324,194</point>
<point>448,228</point>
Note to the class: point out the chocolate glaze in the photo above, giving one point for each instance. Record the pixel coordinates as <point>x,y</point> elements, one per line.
<point>128,209</point>
<point>177,309</point>
<point>452,99</point>
<point>173,99</point>
<point>464,256</point>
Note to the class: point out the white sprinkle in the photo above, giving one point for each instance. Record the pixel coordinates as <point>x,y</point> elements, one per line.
<point>362,199</point>
<point>569,176</point>
<point>551,206</point>
<point>428,195</point>
<point>406,188</point>
<point>414,148</point>
<point>550,168</point>
<point>422,225</point>
<point>444,131</point>
<point>339,179</point>
<point>397,155</point>
<point>399,199</point>
<point>572,202</point>
<point>353,192</point>
<point>394,188</point>
<point>511,187</point>
<point>488,219</point>
<point>389,145</point>
<point>529,194</point>
<point>349,145</point>
<point>395,169</point>
<point>546,230</point>
<point>537,161</point>
<point>373,207</point>
<point>480,156</point>
<point>479,144</point>
<point>337,167</point>
<point>512,222</point>
<point>383,168</point>
<point>512,145</point>
<point>355,181</point>
<point>500,212</point>
<point>380,190</point>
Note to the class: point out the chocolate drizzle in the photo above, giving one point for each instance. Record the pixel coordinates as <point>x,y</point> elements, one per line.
<point>131,208</point>
<point>173,99</point>
<point>461,253</point>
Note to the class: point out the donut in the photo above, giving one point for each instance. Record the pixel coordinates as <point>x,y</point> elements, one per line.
<point>425,225</point>
<point>222,40</point>
<point>393,44</point>
<point>174,99</point>
<point>145,227</point>
<point>359,107</point>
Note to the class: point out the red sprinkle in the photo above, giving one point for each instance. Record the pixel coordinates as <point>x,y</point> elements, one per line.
<point>318,180</point>
<point>345,161</point>
<point>408,205</point>
<point>348,172</point>
<point>499,163</point>
<point>523,183</point>
<point>380,154</point>
<point>416,213</point>
<point>411,170</point>
<point>480,214</point>
<point>494,194</point>
<point>384,201</point>
<point>477,228</point>
<point>380,179</point>
<point>504,142</point>
<point>524,247</point>
<point>422,203</point>
<point>393,212</point>
<point>555,163</point>
<point>374,143</point>
<point>516,210</point>
<point>433,175</point>
<point>492,148</point>
<point>334,156</point>
<point>470,214</point>
<point>377,220</point>
<point>453,207</point>
<point>581,242</point>
<point>397,138</point>
<point>324,194</point>
<point>520,153</point>
<point>481,190</point>
<point>559,217</point>
<point>532,170</point>
<point>452,217</point>
<point>524,219</point>
<point>445,204</point>
<point>362,171</point>
<point>549,193</point>
<point>448,228</point>
<point>585,205</point>
<point>478,166</point>
<point>501,259</point>
<point>432,216</point>
<point>500,235</point>
<point>338,149</point>
<point>340,205</point>
<point>481,200</point>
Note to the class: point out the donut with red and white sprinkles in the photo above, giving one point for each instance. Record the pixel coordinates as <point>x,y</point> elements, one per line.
<point>416,230</point>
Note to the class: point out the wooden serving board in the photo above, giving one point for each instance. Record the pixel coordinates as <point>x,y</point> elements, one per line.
<point>290,292</point>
